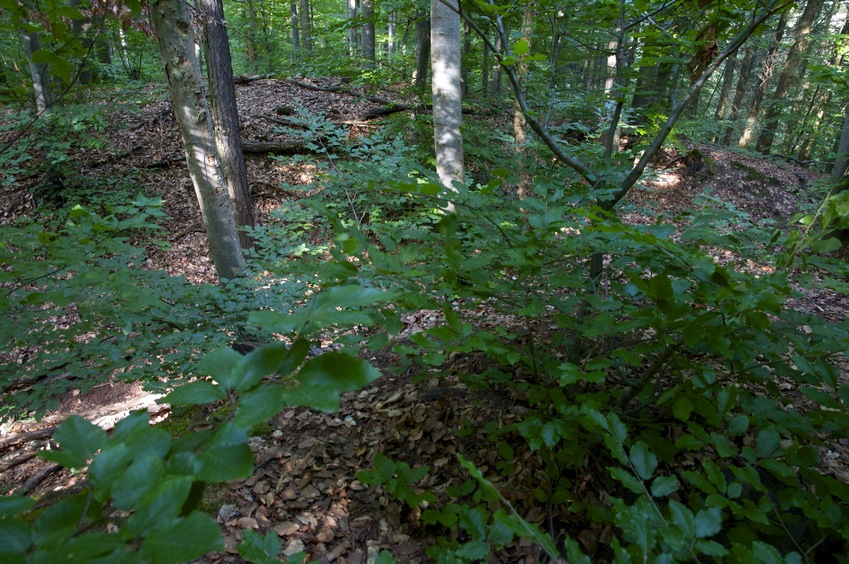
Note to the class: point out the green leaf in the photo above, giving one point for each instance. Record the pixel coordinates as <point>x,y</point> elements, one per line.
<point>220,365</point>
<point>627,479</point>
<point>163,504</point>
<point>324,378</point>
<point>473,520</point>
<point>643,460</point>
<point>683,518</point>
<point>15,538</point>
<point>259,405</point>
<point>80,438</point>
<point>521,47</point>
<point>259,548</point>
<point>58,522</point>
<point>140,478</point>
<point>474,550</point>
<point>258,364</point>
<point>196,393</point>
<point>182,540</point>
<point>767,442</point>
<point>225,463</point>
<point>708,522</point>
<point>664,485</point>
<point>682,408</point>
<point>12,505</point>
<point>738,425</point>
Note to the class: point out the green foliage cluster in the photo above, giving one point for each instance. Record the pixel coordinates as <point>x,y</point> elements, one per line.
<point>665,356</point>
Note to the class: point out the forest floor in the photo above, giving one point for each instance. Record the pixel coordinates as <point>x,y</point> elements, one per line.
<point>304,485</point>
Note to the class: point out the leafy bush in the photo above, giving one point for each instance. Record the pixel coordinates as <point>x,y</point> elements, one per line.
<point>659,357</point>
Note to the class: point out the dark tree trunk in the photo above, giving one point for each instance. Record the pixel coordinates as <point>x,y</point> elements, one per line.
<point>225,117</point>
<point>792,72</point>
<point>766,75</point>
<point>739,93</point>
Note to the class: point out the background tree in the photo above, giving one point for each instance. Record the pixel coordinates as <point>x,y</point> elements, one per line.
<point>446,55</point>
<point>789,74</point>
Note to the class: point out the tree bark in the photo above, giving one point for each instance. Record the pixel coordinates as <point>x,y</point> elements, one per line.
<point>422,51</point>
<point>38,72</point>
<point>306,27</point>
<point>739,93</point>
<point>293,23</point>
<point>841,161</point>
<point>792,71</point>
<point>520,124</point>
<point>722,105</point>
<point>766,75</point>
<point>447,100</point>
<point>175,35</point>
<point>225,114</point>
<point>368,33</point>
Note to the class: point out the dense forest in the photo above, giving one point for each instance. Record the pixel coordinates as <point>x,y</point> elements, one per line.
<point>389,281</point>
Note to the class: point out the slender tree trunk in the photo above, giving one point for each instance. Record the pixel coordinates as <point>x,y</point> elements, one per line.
<point>174,32</point>
<point>792,72</point>
<point>841,161</point>
<point>496,74</point>
<point>38,72</point>
<point>368,33</point>
<point>447,100</point>
<point>766,75</point>
<point>225,115</point>
<point>422,51</point>
<point>306,26</point>
<point>464,55</point>
<point>613,103</point>
<point>520,124</point>
<point>485,69</point>
<point>739,94</point>
<point>390,35</point>
<point>723,105</point>
<point>294,25</point>
<point>353,39</point>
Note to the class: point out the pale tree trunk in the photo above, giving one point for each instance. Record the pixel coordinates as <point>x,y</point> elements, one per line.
<point>760,92</point>
<point>368,33</point>
<point>225,115</point>
<point>293,19</point>
<point>422,52</point>
<point>306,25</point>
<point>722,105</point>
<point>390,35</point>
<point>447,100</point>
<point>353,40</point>
<point>520,124</point>
<point>38,72</point>
<point>610,138</point>
<point>739,93</point>
<point>792,72</point>
<point>174,32</point>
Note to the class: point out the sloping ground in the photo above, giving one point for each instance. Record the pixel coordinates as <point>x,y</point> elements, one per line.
<point>304,486</point>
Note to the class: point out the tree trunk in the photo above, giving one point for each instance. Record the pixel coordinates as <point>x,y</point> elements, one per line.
<point>760,92</point>
<point>353,36</point>
<point>447,100</point>
<point>520,124</point>
<point>38,72</point>
<point>225,115</point>
<point>722,105</point>
<point>739,93</point>
<point>390,35</point>
<point>841,161</point>
<point>422,51</point>
<point>293,19</point>
<point>306,27</point>
<point>174,32</point>
<point>792,71</point>
<point>368,33</point>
